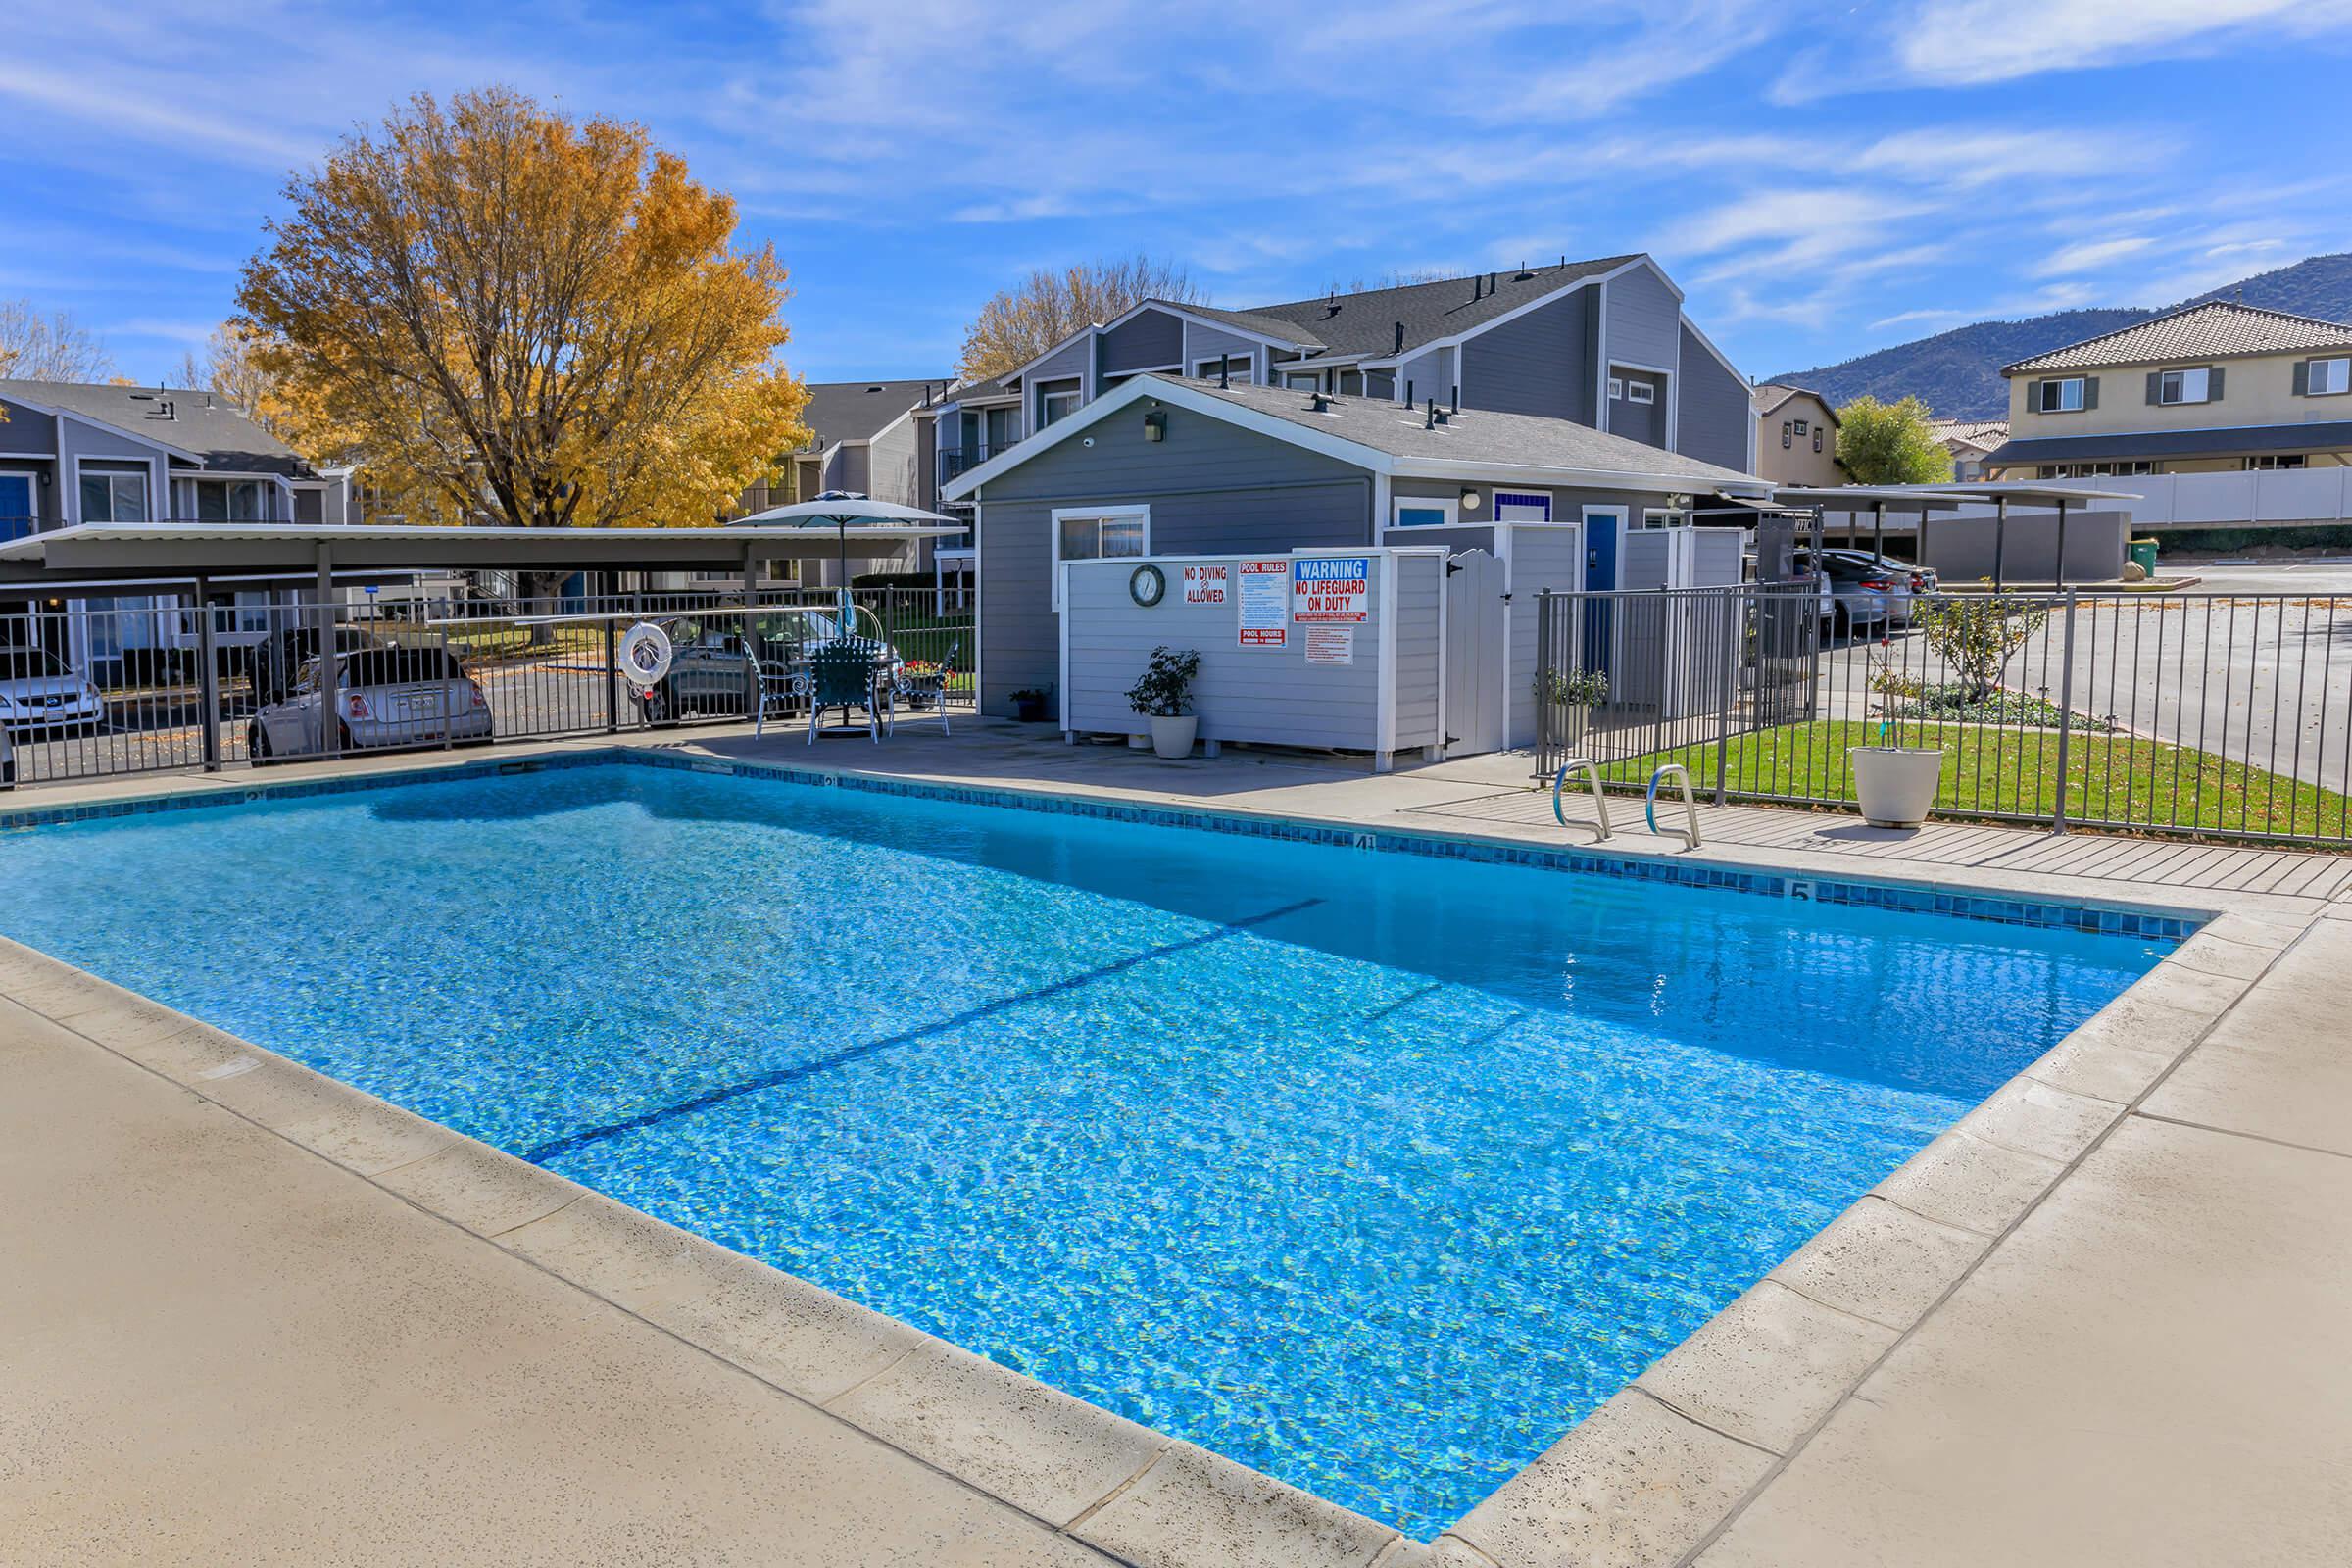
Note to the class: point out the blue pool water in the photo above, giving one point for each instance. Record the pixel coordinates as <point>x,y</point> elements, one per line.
<point>1374,1171</point>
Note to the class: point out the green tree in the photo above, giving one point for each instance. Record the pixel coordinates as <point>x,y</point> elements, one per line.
<point>1890,443</point>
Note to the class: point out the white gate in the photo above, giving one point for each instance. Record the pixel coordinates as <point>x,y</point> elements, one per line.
<point>1476,653</point>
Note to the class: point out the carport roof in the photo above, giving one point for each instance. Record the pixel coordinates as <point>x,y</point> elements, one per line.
<point>104,550</point>
<point>1940,498</point>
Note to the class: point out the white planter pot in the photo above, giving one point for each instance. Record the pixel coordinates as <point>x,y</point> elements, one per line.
<point>1568,725</point>
<point>1896,785</point>
<point>1172,737</point>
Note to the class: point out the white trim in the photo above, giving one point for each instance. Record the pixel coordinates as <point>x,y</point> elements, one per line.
<point>1721,358</point>
<point>1384,722</point>
<point>1449,506</point>
<point>1105,513</point>
<point>1601,355</point>
<point>1021,372</point>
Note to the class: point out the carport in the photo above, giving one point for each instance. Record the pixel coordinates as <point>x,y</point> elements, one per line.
<point>167,557</point>
<point>1923,502</point>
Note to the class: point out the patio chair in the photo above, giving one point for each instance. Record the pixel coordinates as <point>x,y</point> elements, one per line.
<point>930,686</point>
<point>843,674</point>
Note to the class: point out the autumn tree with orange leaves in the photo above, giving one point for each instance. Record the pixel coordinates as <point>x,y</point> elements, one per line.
<point>519,316</point>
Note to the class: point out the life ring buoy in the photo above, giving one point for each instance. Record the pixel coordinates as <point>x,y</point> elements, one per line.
<point>645,654</point>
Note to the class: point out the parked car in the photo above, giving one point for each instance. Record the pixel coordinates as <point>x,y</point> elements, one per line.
<point>383,697</point>
<point>1906,581</point>
<point>1853,597</point>
<point>279,659</point>
<point>38,691</point>
<point>709,670</point>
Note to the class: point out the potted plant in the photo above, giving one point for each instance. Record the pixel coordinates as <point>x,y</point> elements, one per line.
<point>1029,704</point>
<point>1893,784</point>
<point>1164,695</point>
<point>1572,695</point>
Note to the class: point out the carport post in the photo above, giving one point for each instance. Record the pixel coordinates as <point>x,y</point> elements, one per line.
<point>2058,566</point>
<point>2000,537</point>
<point>208,678</point>
<point>1878,533</point>
<point>1922,541</point>
<point>330,739</point>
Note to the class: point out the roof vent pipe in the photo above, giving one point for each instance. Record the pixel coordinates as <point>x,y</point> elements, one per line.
<point>1224,372</point>
<point>1399,348</point>
<point>1429,420</point>
<point>1319,404</point>
<point>1457,397</point>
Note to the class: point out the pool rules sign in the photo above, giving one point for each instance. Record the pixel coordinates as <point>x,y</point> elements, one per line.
<point>1265,609</point>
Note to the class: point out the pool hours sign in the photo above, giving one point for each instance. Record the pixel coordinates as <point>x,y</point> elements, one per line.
<point>1330,590</point>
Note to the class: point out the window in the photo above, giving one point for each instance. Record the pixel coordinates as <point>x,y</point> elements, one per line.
<point>1787,433</point>
<point>1056,401</point>
<point>1302,382</point>
<point>1098,533</point>
<point>2061,396</point>
<point>1351,383</point>
<point>1423,512</point>
<point>2184,386</point>
<point>1640,392</point>
<point>2282,459</point>
<point>1800,427</point>
<point>1522,506</point>
<point>114,497</point>
<point>2329,378</point>
<point>229,501</point>
<point>1817,438</point>
<point>18,513</point>
<point>1616,387</point>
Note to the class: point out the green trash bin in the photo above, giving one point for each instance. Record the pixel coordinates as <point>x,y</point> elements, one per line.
<point>2144,551</point>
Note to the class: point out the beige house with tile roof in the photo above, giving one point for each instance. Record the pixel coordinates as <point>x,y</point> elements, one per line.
<point>2212,388</point>
<point>1970,442</point>
<point>1797,436</point>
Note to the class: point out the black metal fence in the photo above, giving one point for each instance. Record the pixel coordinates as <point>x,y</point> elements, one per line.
<point>2219,714</point>
<point>94,689</point>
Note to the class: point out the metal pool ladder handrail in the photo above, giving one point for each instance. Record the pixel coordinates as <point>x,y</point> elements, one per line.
<point>1600,801</point>
<point>1650,807</point>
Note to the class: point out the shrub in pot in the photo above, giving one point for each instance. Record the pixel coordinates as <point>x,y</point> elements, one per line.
<point>1029,705</point>
<point>1163,693</point>
<point>1570,695</point>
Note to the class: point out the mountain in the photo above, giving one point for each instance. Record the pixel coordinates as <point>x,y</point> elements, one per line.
<point>1959,373</point>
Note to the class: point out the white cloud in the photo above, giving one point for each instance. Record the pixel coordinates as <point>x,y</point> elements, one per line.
<point>2090,255</point>
<point>1976,41</point>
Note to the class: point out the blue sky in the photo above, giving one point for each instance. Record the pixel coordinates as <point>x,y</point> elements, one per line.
<point>1821,179</point>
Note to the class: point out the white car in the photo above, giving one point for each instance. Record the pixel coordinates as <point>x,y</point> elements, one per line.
<point>37,691</point>
<point>383,697</point>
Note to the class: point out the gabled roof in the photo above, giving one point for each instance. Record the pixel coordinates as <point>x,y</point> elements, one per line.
<point>1255,323</point>
<point>1982,433</point>
<point>202,422</point>
<point>859,411</point>
<point>1772,393</point>
<point>2219,330</point>
<point>1383,438</point>
<point>1365,322</point>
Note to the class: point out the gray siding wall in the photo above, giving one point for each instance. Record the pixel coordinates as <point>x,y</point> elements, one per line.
<point>848,469</point>
<point>1153,338</point>
<point>1212,488</point>
<point>1541,559</point>
<point>1645,324</point>
<point>1072,362</point>
<point>892,465</point>
<point>1431,375</point>
<point>1206,342</point>
<point>1539,363</point>
<point>1638,421</point>
<point>1272,695</point>
<point>79,442</point>
<point>1714,415</point>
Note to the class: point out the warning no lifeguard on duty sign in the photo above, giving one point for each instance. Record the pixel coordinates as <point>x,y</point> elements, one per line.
<point>1330,589</point>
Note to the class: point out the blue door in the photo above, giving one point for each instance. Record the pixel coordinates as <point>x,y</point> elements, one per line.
<point>1604,532</point>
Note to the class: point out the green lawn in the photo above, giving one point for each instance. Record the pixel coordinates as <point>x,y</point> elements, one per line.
<point>2112,778</point>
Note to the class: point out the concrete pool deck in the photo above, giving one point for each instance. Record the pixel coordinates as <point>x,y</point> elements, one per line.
<point>252,1315</point>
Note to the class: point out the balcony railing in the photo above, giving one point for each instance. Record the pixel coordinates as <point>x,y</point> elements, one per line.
<point>954,461</point>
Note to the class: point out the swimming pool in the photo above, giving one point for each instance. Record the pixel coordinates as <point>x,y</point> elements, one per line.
<point>1374,1171</point>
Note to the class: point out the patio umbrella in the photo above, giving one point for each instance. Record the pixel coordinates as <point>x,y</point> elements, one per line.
<point>843,510</point>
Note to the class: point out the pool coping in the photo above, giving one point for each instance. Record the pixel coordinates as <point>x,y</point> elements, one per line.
<point>1647,1478</point>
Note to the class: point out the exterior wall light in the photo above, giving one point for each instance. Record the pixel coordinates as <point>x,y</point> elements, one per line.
<point>1156,426</point>
<point>1469,501</point>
